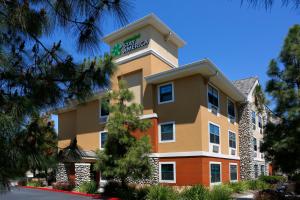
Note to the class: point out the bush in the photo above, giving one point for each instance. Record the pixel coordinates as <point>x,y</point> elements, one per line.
<point>220,192</point>
<point>34,183</point>
<point>238,187</point>
<point>273,179</point>
<point>67,186</point>
<point>159,192</point>
<point>197,192</point>
<point>257,185</point>
<point>88,187</point>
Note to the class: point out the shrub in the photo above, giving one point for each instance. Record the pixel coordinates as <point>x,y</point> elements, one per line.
<point>197,192</point>
<point>159,192</point>
<point>67,186</point>
<point>238,187</point>
<point>257,185</point>
<point>273,179</point>
<point>220,192</point>
<point>88,187</point>
<point>115,189</point>
<point>35,183</point>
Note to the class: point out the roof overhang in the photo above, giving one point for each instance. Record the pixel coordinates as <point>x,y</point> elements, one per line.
<point>207,69</point>
<point>150,19</point>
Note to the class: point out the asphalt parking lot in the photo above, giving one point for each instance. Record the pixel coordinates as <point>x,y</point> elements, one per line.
<point>31,194</point>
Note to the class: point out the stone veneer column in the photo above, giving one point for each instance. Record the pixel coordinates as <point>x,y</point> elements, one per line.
<point>61,173</point>
<point>82,173</point>
<point>246,145</point>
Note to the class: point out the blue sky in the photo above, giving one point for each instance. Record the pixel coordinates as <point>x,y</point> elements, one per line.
<point>240,40</point>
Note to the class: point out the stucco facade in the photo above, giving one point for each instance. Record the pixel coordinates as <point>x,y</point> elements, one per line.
<point>205,139</point>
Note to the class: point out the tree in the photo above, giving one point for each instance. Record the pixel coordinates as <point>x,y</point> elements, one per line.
<point>282,137</point>
<point>124,156</point>
<point>35,77</point>
<point>269,3</point>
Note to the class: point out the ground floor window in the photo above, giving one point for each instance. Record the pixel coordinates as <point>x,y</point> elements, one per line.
<point>215,173</point>
<point>262,170</point>
<point>167,172</point>
<point>233,172</point>
<point>255,171</point>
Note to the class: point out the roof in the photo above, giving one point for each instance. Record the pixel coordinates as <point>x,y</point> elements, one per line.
<point>150,19</point>
<point>245,85</point>
<point>207,69</point>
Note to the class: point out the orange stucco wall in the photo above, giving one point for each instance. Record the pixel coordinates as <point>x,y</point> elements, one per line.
<point>195,170</point>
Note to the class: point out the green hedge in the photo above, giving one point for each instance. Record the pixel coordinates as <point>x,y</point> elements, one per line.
<point>88,187</point>
<point>34,183</point>
<point>273,179</point>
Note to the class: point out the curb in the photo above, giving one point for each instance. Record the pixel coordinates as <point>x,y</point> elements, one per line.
<point>59,191</point>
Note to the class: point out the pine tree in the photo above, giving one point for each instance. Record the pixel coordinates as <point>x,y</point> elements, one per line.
<point>282,137</point>
<point>124,156</point>
<point>36,77</point>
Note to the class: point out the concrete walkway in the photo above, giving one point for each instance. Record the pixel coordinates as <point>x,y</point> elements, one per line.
<point>244,196</point>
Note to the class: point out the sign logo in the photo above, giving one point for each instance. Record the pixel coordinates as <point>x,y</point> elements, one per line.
<point>129,45</point>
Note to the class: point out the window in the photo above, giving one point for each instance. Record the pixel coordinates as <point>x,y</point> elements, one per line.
<point>213,98</point>
<point>253,119</point>
<point>167,132</point>
<point>165,93</point>
<point>215,173</point>
<point>255,171</point>
<point>104,112</point>
<point>214,134</point>
<point>233,172</point>
<point>260,125</point>
<point>231,110</point>
<point>103,138</point>
<point>254,144</point>
<point>262,170</point>
<point>232,140</point>
<point>260,144</point>
<point>167,172</point>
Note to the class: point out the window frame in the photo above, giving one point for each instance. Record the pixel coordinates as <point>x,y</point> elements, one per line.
<point>211,144</point>
<point>260,122</point>
<point>100,140</point>
<point>253,123</point>
<point>209,105</point>
<point>158,93</point>
<point>231,148</point>
<point>228,115</point>
<point>218,163</point>
<point>262,172</point>
<point>160,172</point>
<point>237,172</point>
<point>254,144</point>
<point>103,118</point>
<point>174,132</point>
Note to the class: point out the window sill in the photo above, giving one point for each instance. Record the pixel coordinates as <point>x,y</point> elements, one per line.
<point>167,141</point>
<point>167,181</point>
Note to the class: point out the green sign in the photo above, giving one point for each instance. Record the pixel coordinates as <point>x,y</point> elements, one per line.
<point>129,45</point>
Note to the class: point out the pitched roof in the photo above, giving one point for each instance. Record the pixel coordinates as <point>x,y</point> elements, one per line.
<point>245,85</point>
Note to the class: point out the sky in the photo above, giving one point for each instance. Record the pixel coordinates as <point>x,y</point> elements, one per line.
<point>240,40</point>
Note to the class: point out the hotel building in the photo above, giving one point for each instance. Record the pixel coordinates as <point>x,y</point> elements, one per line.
<point>205,128</point>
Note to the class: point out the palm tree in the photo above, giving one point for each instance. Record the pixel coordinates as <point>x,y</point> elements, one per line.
<point>269,3</point>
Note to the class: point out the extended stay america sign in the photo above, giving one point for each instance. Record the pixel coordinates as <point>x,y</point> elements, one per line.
<point>129,45</point>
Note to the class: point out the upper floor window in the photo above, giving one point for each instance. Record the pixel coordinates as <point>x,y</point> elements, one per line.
<point>214,134</point>
<point>260,123</point>
<point>254,144</point>
<point>104,112</point>
<point>253,119</point>
<point>215,173</point>
<point>167,172</point>
<point>103,138</point>
<point>167,132</point>
<point>232,140</point>
<point>231,110</point>
<point>213,99</point>
<point>166,93</point>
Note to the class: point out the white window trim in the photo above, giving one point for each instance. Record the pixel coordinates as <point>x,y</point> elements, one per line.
<point>158,93</point>
<point>104,131</point>
<point>236,144</point>
<point>235,111</point>
<point>252,117</point>
<point>174,172</point>
<point>237,172</point>
<point>208,104</point>
<point>211,144</point>
<point>103,118</point>
<point>174,132</point>
<point>216,183</point>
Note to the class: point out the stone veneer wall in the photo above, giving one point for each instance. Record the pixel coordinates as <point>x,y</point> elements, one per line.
<point>61,173</point>
<point>82,173</point>
<point>246,145</point>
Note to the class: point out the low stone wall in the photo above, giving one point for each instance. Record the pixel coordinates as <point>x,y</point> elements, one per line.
<point>82,173</point>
